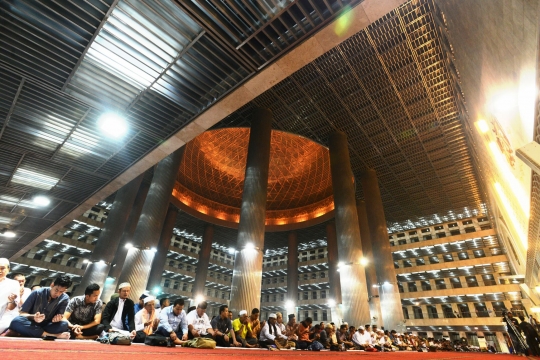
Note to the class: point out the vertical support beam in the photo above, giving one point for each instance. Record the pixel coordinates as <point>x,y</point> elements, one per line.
<point>382,254</point>
<point>371,275</point>
<point>333,273</point>
<point>352,274</point>
<point>247,274</point>
<point>204,262</point>
<point>109,239</point>
<point>139,258</point>
<point>154,280</point>
<point>109,287</point>
<point>292,269</point>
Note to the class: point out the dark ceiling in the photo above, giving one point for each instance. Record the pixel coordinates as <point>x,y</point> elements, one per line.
<point>63,64</point>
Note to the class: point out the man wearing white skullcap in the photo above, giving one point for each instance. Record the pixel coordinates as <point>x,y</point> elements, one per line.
<point>9,296</point>
<point>146,320</point>
<point>242,330</point>
<point>119,314</point>
<point>271,335</point>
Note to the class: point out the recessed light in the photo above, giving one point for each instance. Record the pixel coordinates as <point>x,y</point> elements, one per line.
<point>9,234</point>
<point>41,200</point>
<point>112,125</point>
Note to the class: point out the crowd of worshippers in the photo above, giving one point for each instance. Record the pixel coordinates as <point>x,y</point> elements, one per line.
<point>48,312</point>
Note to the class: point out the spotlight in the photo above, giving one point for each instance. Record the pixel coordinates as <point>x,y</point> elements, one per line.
<point>289,304</point>
<point>157,289</point>
<point>112,125</point>
<point>199,299</point>
<point>109,279</point>
<point>386,283</point>
<point>153,249</point>
<point>41,200</point>
<point>340,264</point>
<point>86,261</point>
<point>331,302</point>
<point>231,251</point>
<point>102,262</point>
<point>249,246</point>
<point>129,246</point>
<point>7,233</point>
<point>363,261</point>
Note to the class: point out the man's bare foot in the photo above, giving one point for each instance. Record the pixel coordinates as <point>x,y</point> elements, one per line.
<point>64,335</point>
<point>12,333</point>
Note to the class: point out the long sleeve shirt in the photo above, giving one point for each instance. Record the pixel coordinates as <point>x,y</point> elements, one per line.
<point>265,333</point>
<point>362,339</point>
<point>170,322</point>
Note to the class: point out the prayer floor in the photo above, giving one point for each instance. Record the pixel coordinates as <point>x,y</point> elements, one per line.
<point>25,349</point>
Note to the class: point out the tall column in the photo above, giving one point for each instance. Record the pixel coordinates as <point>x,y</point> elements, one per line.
<point>154,280</point>
<point>292,270</point>
<point>109,287</point>
<point>107,244</point>
<point>352,274</point>
<point>204,261</point>
<point>382,254</point>
<point>333,273</point>
<point>139,258</point>
<point>371,275</point>
<point>247,274</point>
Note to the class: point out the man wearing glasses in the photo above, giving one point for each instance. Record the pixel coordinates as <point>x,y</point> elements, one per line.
<point>42,313</point>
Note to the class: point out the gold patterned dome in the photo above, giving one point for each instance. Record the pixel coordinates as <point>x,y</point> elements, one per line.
<point>210,180</point>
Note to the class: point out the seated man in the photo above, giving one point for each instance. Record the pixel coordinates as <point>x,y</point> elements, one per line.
<point>255,323</point>
<point>343,337</point>
<point>164,302</point>
<point>291,327</point>
<point>198,322</point>
<point>280,323</point>
<point>83,314</point>
<point>146,320</point>
<point>35,287</point>
<point>222,327</point>
<point>24,292</point>
<point>173,323</point>
<point>119,314</point>
<point>271,335</point>
<point>242,330</point>
<point>43,312</point>
<point>362,340</point>
<point>139,306</point>
<point>9,296</point>
<point>303,332</point>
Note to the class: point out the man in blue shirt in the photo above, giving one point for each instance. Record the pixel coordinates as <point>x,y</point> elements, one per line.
<point>173,324</point>
<point>42,313</point>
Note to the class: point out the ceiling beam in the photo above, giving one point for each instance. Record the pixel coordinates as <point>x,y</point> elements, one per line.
<point>12,108</point>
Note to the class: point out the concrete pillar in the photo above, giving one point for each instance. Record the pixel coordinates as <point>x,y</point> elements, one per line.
<point>103,255</point>
<point>333,273</point>
<point>247,273</point>
<point>109,287</point>
<point>292,269</point>
<point>204,261</point>
<point>154,280</point>
<point>353,277</point>
<point>139,258</point>
<point>502,342</point>
<point>371,275</point>
<point>382,253</point>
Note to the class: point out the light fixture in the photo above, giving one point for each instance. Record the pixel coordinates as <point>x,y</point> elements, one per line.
<point>340,264</point>
<point>363,261</point>
<point>109,279</point>
<point>231,251</point>
<point>7,233</point>
<point>112,125</point>
<point>199,299</point>
<point>386,283</point>
<point>157,289</point>
<point>289,304</point>
<point>482,126</point>
<point>537,288</point>
<point>41,200</point>
<point>249,246</point>
<point>86,261</point>
<point>153,249</point>
<point>331,302</point>
<point>128,246</point>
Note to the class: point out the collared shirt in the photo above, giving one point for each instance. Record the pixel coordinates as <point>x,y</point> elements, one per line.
<point>303,333</point>
<point>199,323</point>
<point>170,322</point>
<point>282,327</point>
<point>116,322</point>
<point>81,312</point>
<point>237,325</point>
<point>362,339</point>
<point>38,301</point>
<point>265,332</point>
<point>222,325</point>
<point>342,335</point>
<point>7,287</point>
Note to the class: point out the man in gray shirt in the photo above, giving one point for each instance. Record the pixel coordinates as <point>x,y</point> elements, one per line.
<point>173,324</point>
<point>83,314</point>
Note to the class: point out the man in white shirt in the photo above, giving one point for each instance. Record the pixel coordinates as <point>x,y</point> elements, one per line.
<point>271,335</point>
<point>24,292</point>
<point>146,320</point>
<point>119,314</point>
<point>198,323</point>
<point>362,339</point>
<point>9,296</point>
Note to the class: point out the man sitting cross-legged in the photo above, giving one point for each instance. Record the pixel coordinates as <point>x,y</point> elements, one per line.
<point>222,327</point>
<point>83,314</point>
<point>146,320</point>
<point>242,330</point>
<point>362,340</point>
<point>9,294</point>
<point>271,335</point>
<point>42,313</point>
<point>198,322</point>
<point>119,314</point>
<point>173,324</point>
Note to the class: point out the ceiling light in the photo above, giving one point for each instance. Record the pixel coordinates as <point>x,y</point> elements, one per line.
<point>41,200</point>
<point>363,261</point>
<point>112,125</point>
<point>86,261</point>
<point>232,251</point>
<point>153,249</point>
<point>128,246</point>
<point>7,233</point>
<point>331,302</point>
<point>289,304</point>
<point>249,246</point>
<point>34,179</point>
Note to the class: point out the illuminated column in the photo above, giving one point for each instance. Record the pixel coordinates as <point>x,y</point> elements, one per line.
<point>353,277</point>
<point>204,262</point>
<point>292,271</point>
<point>333,273</point>
<point>154,280</point>
<point>107,244</point>
<point>247,274</point>
<point>139,258</point>
<point>371,275</point>
<point>392,317</point>
<point>109,287</point>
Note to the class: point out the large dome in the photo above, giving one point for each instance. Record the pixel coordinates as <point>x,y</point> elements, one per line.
<point>210,180</point>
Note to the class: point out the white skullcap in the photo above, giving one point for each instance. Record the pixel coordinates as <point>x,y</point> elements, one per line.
<point>361,328</point>
<point>123,285</point>
<point>272,316</point>
<point>242,312</point>
<point>148,299</point>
